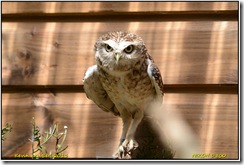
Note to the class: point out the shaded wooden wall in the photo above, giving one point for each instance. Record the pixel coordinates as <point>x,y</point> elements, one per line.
<point>47,46</point>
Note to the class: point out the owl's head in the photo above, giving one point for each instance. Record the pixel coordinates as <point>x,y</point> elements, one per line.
<point>119,51</point>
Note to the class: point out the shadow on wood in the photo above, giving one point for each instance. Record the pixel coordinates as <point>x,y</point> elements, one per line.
<point>150,145</point>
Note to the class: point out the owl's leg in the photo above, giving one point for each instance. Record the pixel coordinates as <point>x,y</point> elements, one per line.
<point>126,119</point>
<point>135,122</point>
<point>130,143</point>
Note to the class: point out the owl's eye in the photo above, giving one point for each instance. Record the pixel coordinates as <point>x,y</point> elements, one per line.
<point>108,48</point>
<point>129,49</point>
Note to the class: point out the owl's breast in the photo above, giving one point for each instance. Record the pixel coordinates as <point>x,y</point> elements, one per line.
<point>132,89</point>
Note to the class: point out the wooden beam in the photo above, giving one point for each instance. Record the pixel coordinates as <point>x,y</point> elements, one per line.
<point>169,88</point>
<point>111,16</point>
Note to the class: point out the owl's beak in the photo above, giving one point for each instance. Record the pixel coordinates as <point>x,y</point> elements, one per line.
<point>117,57</point>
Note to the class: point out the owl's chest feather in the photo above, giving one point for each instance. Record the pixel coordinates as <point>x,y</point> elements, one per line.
<point>133,88</point>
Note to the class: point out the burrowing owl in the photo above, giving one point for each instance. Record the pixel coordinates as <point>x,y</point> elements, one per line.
<point>124,81</point>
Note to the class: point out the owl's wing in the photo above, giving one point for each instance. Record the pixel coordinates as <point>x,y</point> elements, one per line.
<point>95,91</point>
<point>156,79</point>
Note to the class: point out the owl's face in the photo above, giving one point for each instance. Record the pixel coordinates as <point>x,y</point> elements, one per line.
<point>119,51</point>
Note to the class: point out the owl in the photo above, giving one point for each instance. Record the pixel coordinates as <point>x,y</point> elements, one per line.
<point>124,81</point>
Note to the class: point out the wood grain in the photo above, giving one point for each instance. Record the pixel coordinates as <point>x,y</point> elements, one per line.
<point>93,133</point>
<point>84,7</point>
<point>59,53</point>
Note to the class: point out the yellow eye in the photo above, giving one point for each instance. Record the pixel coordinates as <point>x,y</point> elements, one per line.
<point>108,48</point>
<point>129,49</point>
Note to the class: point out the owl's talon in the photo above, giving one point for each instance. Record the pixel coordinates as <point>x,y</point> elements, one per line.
<point>125,149</point>
<point>119,153</point>
<point>130,145</point>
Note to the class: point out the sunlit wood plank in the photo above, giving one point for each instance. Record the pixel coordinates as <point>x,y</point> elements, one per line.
<point>70,7</point>
<point>93,133</point>
<point>185,52</point>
